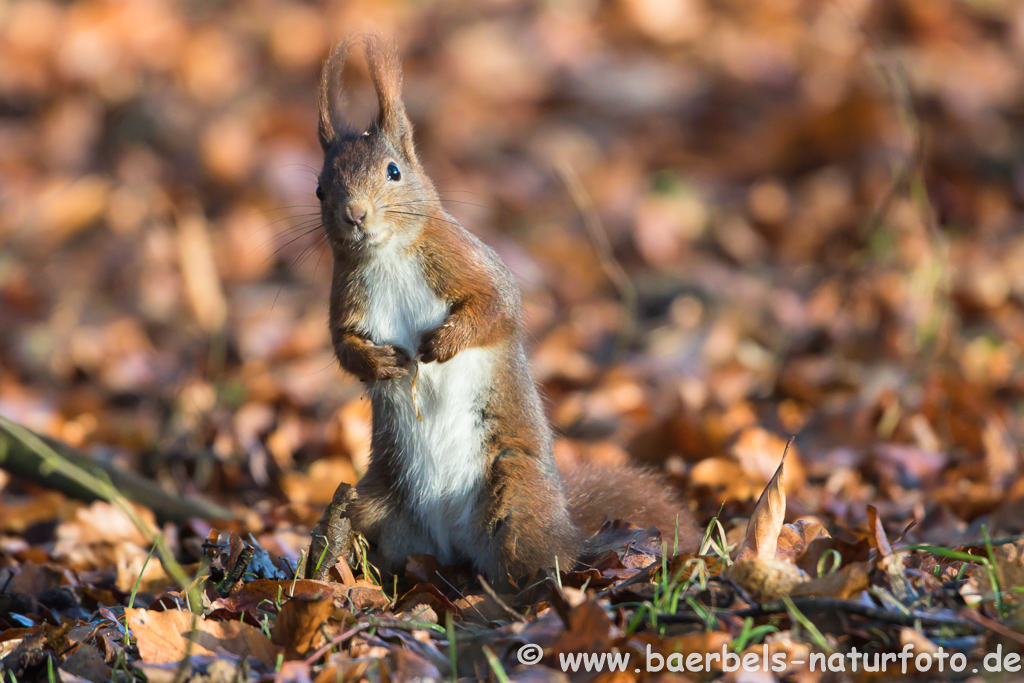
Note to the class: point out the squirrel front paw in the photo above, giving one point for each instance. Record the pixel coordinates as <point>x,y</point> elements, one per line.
<point>442,343</point>
<point>380,361</point>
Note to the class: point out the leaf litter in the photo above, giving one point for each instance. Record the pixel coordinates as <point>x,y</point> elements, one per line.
<point>781,218</point>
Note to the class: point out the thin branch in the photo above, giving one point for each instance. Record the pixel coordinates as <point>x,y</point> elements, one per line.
<point>51,461</point>
<point>612,268</point>
<point>514,615</point>
<point>19,457</point>
<point>836,605</point>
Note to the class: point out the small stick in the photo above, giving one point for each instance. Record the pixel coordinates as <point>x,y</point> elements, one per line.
<point>516,616</point>
<point>837,605</point>
<point>415,391</point>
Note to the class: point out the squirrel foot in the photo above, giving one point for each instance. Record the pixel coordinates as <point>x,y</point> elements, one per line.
<point>332,536</point>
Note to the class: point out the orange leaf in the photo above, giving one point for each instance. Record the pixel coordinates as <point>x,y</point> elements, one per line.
<point>298,623</point>
<point>794,538</point>
<point>165,637</point>
<point>877,533</point>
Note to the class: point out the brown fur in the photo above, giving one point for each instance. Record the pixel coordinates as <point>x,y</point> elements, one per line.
<point>597,494</point>
<point>484,305</point>
<point>523,519</point>
<point>526,516</point>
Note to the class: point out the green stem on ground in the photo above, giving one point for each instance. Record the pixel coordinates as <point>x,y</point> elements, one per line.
<point>50,461</point>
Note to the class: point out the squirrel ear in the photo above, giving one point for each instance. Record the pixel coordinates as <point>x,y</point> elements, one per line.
<point>386,74</point>
<point>330,97</point>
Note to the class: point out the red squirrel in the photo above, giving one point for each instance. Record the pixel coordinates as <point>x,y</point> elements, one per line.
<point>428,316</point>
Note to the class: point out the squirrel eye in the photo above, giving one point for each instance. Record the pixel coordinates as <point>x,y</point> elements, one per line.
<point>393,172</point>
<point>319,193</point>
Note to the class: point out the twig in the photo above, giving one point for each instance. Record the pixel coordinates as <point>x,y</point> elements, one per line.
<point>993,625</point>
<point>612,268</point>
<point>344,635</point>
<point>835,605</point>
<point>21,459</point>
<point>516,616</point>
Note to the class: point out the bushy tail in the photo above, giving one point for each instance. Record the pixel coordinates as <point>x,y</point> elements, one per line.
<point>602,492</point>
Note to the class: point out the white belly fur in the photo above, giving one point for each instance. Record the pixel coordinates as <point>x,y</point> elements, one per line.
<point>441,453</point>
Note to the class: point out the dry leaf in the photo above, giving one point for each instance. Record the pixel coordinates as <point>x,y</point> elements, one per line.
<point>846,583</point>
<point>876,533</point>
<point>766,523</point>
<point>756,449</point>
<point>199,267</point>
<point>297,626</point>
<point>165,637</point>
<point>87,663</point>
<point>765,579</point>
<point>587,630</point>
<point>796,537</point>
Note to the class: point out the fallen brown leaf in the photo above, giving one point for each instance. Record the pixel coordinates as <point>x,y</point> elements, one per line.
<point>876,533</point>
<point>756,449</point>
<point>796,537</point>
<point>87,662</point>
<point>846,583</point>
<point>165,637</point>
<point>587,629</point>
<point>297,626</point>
<point>766,522</point>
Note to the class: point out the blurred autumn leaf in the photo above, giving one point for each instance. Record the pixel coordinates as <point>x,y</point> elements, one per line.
<point>816,210</point>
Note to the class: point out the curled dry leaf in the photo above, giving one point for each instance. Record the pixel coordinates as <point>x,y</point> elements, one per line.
<point>886,559</point>
<point>765,524</point>
<point>876,533</point>
<point>757,569</point>
<point>342,573</point>
<point>796,537</point>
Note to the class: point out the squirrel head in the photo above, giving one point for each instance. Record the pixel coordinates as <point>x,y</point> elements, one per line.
<point>372,188</point>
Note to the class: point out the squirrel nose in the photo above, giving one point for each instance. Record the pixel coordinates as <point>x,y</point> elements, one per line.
<point>355,213</point>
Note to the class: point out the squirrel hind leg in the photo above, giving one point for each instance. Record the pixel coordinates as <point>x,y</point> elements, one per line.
<point>597,493</point>
<point>526,523</point>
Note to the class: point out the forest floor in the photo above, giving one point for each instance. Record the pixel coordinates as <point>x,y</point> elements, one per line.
<point>733,223</point>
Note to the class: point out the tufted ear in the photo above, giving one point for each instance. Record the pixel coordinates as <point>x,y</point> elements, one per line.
<point>386,74</point>
<point>330,98</point>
